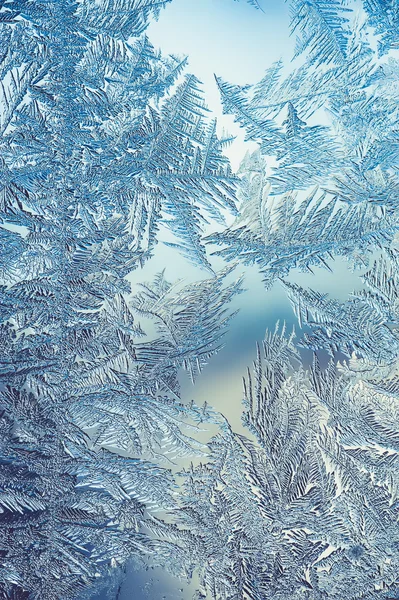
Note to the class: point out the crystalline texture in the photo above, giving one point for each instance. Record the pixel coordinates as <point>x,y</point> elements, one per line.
<point>96,149</point>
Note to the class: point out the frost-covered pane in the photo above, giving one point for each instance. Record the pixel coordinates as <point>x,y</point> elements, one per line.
<point>136,445</point>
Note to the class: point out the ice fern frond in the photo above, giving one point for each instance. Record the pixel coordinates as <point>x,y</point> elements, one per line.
<point>318,153</point>
<point>191,319</point>
<point>351,157</point>
<point>62,501</point>
<point>365,327</point>
<point>323,29</point>
<point>309,505</point>
<point>280,234</point>
<point>102,139</point>
<point>384,18</point>
<point>253,3</point>
<point>120,18</point>
<point>235,101</point>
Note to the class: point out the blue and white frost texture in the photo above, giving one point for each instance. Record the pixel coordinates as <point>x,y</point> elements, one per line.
<point>105,144</point>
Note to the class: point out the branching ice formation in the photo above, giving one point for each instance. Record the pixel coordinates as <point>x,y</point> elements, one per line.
<point>305,504</point>
<point>101,138</point>
<point>103,141</point>
<point>308,508</point>
<point>329,129</point>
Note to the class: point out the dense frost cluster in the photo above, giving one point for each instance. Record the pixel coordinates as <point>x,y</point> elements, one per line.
<point>103,142</point>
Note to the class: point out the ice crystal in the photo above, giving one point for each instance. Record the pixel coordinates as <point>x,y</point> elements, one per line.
<point>103,141</point>
<point>101,138</point>
<point>329,130</point>
<point>307,509</point>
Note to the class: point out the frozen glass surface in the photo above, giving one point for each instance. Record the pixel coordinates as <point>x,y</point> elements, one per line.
<point>199,309</point>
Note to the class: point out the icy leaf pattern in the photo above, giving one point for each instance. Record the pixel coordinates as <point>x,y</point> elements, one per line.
<point>102,138</point>
<point>307,510</point>
<point>106,150</point>
<point>384,17</point>
<point>333,187</point>
<point>365,328</point>
<point>279,234</point>
<point>304,505</point>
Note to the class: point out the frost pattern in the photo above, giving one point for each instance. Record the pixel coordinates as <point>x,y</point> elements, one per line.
<point>101,138</point>
<point>334,186</point>
<point>308,509</point>
<point>103,142</point>
<point>304,505</point>
<point>279,234</point>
